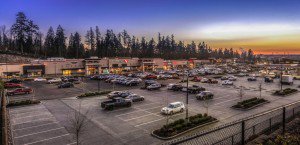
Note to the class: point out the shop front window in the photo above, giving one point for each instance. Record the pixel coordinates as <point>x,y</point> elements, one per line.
<point>67,72</point>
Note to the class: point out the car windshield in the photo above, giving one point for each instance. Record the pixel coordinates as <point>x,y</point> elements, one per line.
<point>171,106</point>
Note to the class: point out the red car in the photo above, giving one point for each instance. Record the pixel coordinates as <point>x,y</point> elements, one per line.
<point>20,91</point>
<point>196,79</point>
<point>12,85</point>
<point>151,77</point>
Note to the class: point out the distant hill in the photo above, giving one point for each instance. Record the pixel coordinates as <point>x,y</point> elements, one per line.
<point>15,58</point>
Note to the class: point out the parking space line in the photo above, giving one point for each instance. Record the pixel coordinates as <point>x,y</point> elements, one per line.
<point>137,117</point>
<point>38,132</point>
<point>129,112</point>
<point>16,118</point>
<point>149,122</point>
<point>226,101</point>
<point>72,143</point>
<point>150,108</point>
<point>47,139</point>
<point>35,126</point>
<point>35,120</point>
<point>14,111</point>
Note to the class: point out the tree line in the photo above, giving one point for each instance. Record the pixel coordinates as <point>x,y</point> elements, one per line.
<point>25,37</point>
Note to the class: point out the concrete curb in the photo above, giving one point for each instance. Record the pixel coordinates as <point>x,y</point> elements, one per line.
<point>246,109</point>
<point>184,132</point>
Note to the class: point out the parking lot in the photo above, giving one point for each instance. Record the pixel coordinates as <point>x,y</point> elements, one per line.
<point>133,125</point>
<point>36,125</point>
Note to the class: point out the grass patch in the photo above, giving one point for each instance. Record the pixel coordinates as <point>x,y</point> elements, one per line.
<point>182,125</point>
<point>285,92</point>
<point>23,102</point>
<point>93,94</point>
<point>249,103</point>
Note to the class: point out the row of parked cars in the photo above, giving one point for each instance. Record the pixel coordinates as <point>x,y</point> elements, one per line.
<point>16,87</point>
<point>118,79</point>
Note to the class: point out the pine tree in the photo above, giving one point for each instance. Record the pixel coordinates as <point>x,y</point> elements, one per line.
<point>60,42</point>
<point>49,47</point>
<point>90,40</point>
<point>98,43</point>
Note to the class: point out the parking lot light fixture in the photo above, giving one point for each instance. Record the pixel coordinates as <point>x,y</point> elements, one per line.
<point>187,93</point>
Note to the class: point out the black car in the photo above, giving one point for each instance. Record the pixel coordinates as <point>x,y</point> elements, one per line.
<point>116,103</point>
<point>66,85</point>
<point>135,98</point>
<point>251,79</point>
<point>268,80</point>
<point>16,81</point>
<point>177,87</point>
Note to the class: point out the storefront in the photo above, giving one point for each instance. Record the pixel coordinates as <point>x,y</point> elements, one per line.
<point>73,72</point>
<point>34,70</point>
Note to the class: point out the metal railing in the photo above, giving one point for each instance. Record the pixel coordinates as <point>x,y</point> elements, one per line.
<point>244,130</point>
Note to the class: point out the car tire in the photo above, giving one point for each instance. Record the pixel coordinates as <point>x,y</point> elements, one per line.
<point>171,113</point>
<point>181,110</point>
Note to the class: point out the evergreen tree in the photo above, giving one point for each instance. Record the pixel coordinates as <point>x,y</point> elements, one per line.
<point>90,40</point>
<point>60,42</point>
<point>98,43</point>
<point>49,47</point>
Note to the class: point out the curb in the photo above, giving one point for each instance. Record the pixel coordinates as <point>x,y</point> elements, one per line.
<point>184,132</point>
<point>246,109</point>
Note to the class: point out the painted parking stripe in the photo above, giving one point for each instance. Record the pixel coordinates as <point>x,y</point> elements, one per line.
<point>149,122</point>
<point>35,126</point>
<point>137,117</point>
<point>140,110</point>
<point>47,139</point>
<point>16,118</point>
<point>226,101</point>
<point>50,118</point>
<point>39,132</point>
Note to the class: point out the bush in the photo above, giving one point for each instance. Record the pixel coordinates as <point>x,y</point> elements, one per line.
<point>23,102</point>
<point>93,94</point>
<point>249,103</point>
<point>284,92</point>
<point>182,125</point>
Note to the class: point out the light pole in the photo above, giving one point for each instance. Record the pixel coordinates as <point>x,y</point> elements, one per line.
<point>187,92</point>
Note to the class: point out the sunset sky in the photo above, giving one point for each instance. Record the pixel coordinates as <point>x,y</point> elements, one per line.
<point>266,26</point>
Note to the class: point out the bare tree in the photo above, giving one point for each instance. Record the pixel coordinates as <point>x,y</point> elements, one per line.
<point>206,103</point>
<point>78,123</point>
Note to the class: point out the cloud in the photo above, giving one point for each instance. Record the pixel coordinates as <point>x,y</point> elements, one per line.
<point>234,31</point>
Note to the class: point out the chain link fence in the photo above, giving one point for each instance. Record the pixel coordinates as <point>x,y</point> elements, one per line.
<point>241,131</point>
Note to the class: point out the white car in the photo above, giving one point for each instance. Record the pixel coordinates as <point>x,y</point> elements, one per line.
<point>154,87</point>
<point>172,108</point>
<point>54,80</point>
<point>39,79</point>
<point>170,86</point>
<point>227,82</point>
<point>232,78</point>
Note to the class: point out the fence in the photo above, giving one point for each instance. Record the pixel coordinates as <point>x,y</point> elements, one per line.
<point>241,131</point>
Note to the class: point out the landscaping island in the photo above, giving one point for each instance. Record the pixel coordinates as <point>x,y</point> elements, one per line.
<point>181,126</point>
<point>285,92</point>
<point>91,94</point>
<point>250,103</point>
<point>23,102</point>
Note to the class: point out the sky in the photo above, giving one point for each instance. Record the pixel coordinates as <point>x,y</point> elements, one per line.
<point>265,26</point>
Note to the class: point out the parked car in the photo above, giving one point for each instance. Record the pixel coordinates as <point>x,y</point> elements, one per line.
<point>154,87</point>
<point>172,108</point>
<point>135,98</point>
<point>177,87</point>
<point>54,80</point>
<point>170,86</point>
<point>227,82</point>
<point>204,80</point>
<point>212,81</point>
<point>19,91</point>
<point>151,77</point>
<point>204,95</point>
<point>39,79</point>
<point>12,85</point>
<point>224,78</point>
<point>116,103</point>
<point>196,79</point>
<point>124,94</point>
<point>232,78</point>
<point>252,79</point>
<point>113,94</point>
<point>132,83</point>
<point>66,85</point>
<point>268,80</point>
<point>17,81</point>
<point>149,82</point>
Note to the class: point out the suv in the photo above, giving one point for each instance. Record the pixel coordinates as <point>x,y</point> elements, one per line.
<point>20,91</point>
<point>54,80</point>
<point>251,79</point>
<point>173,108</point>
<point>177,87</point>
<point>205,95</point>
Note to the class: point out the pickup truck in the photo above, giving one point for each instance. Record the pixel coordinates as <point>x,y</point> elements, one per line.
<point>116,103</point>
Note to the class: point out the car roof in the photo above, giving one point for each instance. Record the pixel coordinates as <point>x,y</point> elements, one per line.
<point>174,103</point>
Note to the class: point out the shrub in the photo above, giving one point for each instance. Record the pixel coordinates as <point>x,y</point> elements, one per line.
<point>284,92</point>
<point>93,94</point>
<point>23,102</point>
<point>249,103</point>
<point>181,125</point>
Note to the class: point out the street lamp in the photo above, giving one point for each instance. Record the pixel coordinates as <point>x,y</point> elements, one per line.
<point>187,92</point>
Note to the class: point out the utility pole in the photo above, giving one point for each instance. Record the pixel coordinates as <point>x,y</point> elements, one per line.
<point>281,73</point>
<point>187,92</point>
<point>260,88</point>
